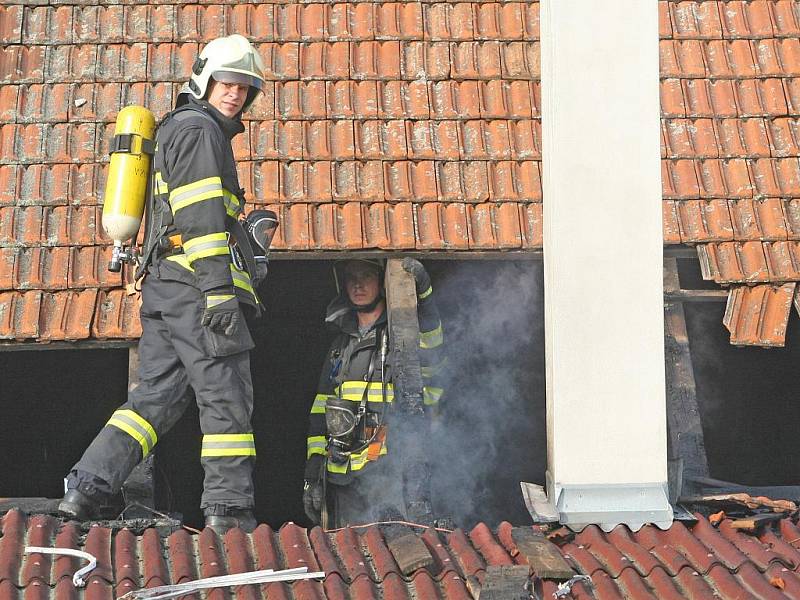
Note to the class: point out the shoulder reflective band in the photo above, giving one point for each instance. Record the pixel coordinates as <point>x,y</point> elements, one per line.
<point>135,426</point>
<point>212,244</point>
<point>228,444</point>
<point>431,339</point>
<point>320,404</point>
<point>316,445</point>
<point>186,195</point>
<point>354,391</point>
<point>426,293</point>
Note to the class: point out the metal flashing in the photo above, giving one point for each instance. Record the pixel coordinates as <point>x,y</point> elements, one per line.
<point>610,505</point>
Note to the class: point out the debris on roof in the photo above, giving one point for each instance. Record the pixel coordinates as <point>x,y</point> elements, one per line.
<point>698,561</point>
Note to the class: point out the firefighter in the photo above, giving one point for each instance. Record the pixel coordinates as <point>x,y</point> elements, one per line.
<point>198,267</point>
<point>365,454</point>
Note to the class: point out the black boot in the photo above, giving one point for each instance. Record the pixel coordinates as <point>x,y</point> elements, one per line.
<point>78,506</point>
<point>233,517</point>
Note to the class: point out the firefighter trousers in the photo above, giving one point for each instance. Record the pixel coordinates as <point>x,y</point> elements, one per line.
<point>177,353</point>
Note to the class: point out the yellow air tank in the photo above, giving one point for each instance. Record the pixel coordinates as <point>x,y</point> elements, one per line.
<point>128,178</point>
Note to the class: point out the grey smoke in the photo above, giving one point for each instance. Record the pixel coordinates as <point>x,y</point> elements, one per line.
<point>491,432</point>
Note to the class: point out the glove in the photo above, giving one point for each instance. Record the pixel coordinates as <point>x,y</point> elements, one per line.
<point>312,501</point>
<point>312,489</point>
<point>221,314</point>
<point>421,278</point>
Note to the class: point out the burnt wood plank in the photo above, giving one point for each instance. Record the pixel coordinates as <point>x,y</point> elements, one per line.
<point>401,304</point>
<point>542,555</point>
<point>685,440</point>
<point>410,552</point>
<point>506,583</point>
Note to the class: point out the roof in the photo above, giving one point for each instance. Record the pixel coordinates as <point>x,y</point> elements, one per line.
<point>388,126</point>
<point>698,562</point>
<point>730,101</point>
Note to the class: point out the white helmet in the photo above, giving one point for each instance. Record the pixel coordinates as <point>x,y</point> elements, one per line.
<point>230,59</point>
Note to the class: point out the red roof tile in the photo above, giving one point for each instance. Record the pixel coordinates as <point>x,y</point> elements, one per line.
<point>395,125</point>
<point>697,561</point>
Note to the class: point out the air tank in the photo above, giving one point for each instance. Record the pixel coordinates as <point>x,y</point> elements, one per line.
<point>128,178</point>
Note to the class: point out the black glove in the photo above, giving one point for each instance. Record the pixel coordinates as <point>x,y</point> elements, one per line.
<point>222,313</point>
<point>312,488</point>
<point>421,277</point>
<point>312,501</point>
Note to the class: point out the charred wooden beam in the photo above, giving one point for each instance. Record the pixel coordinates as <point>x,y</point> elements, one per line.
<point>401,305</point>
<point>542,555</point>
<point>686,445</point>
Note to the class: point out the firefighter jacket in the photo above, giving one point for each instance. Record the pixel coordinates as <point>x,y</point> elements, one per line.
<point>196,191</point>
<point>352,371</point>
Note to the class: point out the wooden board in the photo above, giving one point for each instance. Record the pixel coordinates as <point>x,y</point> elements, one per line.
<point>686,443</point>
<point>506,583</point>
<point>401,305</point>
<point>410,552</point>
<point>543,556</point>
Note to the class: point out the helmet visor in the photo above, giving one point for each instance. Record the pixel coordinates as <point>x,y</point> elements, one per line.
<point>236,77</point>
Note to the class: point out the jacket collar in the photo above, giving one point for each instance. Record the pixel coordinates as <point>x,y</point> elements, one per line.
<point>340,315</point>
<point>230,126</point>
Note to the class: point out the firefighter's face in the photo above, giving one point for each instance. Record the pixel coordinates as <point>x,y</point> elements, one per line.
<point>227,98</point>
<point>362,284</point>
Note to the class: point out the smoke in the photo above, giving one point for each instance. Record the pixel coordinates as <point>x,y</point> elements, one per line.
<point>491,433</point>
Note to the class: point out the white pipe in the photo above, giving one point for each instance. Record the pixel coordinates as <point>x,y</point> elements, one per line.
<point>77,579</point>
<point>253,577</point>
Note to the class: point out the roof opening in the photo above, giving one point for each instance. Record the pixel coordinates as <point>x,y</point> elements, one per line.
<point>490,434</point>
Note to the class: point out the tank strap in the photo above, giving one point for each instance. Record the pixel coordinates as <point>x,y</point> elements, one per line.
<point>124,142</point>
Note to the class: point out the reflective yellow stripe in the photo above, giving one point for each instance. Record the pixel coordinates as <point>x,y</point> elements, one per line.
<point>431,395</point>
<point>182,261</point>
<point>161,187</point>
<point>320,404</point>
<point>316,445</point>
<point>135,426</point>
<point>241,279</point>
<point>354,391</point>
<point>431,339</point>
<point>232,205</point>
<point>432,370</point>
<point>212,244</point>
<point>212,301</point>
<point>228,452</point>
<point>186,195</point>
<point>228,444</point>
<point>337,468</point>
<point>357,461</point>
<point>426,293</point>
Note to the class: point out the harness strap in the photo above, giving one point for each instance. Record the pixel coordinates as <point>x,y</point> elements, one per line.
<point>123,142</point>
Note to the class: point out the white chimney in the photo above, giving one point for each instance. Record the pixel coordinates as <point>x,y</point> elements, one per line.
<point>604,319</point>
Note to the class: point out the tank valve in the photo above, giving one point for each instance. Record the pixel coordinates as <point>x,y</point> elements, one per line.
<point>122,254</point>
